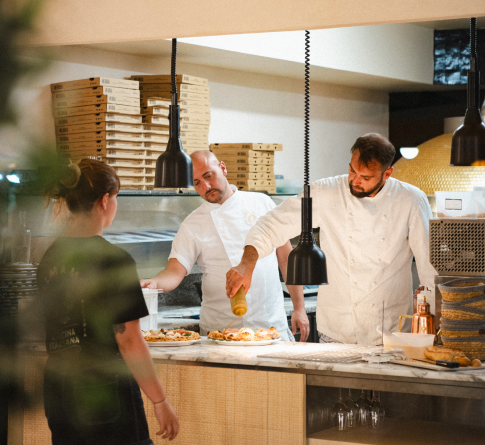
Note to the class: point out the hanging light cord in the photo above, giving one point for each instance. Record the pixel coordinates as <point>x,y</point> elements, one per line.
<point>173,72</point>
<point>307,108</point>
<point>473,43</point>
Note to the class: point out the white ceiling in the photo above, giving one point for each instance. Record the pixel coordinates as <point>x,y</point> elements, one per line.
<point>197,54</point>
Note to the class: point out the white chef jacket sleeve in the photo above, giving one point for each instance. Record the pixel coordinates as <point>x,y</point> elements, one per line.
<point>276,227</point>
<point>419,241</point>
<point>184,248</point>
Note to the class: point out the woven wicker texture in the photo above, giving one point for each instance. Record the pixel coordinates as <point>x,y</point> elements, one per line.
<point>430,170</point>
<point>472,349</point>
<point>459,290</point>
<point>223,406</point>
<point>36,431</point>
<point>216,406</point>
<point>462,328</point>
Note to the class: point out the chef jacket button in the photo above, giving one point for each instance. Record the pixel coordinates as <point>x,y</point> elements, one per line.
<point>383,239</point>
<point>352,261</point>
<point>355,283</point>
<point>350,214</point>
<point>350,236</point>
<point>355,305</point>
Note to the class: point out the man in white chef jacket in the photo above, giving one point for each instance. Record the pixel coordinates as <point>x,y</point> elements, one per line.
<point>371,225</point>
<point>213,236</point>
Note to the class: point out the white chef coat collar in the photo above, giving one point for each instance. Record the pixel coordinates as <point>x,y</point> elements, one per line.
<point>215,205</point>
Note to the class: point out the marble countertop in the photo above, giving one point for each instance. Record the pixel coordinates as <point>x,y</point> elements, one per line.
<point>210,352</point>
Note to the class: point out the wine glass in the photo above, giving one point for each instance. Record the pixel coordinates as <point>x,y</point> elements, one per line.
<point>363,403</point>
<point>353,413</point>
<point>340,413</point>
<point>376,411</point>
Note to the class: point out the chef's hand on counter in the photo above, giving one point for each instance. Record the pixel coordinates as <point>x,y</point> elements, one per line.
<point>168,279</point>
<point>242,274</point>
<point>299,319</point>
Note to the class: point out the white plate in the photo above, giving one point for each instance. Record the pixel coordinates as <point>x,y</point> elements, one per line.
<point>243,343</point>
<point>162,344</point>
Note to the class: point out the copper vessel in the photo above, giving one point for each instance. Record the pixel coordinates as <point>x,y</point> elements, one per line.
<point>422,321</point>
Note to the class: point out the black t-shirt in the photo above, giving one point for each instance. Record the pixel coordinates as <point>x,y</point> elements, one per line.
<point>87,285</point>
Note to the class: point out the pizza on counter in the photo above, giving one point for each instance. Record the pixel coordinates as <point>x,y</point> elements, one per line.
<point>156,335</point>
<point>245,334</point>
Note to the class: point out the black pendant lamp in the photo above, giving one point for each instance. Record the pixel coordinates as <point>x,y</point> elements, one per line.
<point>306,262</point>
<point>468,143</point>
<point>174,167</point>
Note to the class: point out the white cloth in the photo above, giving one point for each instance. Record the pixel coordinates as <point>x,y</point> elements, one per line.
<point>369,245</point>
<point>213,236</point>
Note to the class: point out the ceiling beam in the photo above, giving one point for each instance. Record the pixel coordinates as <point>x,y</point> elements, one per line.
<point>70,22</point>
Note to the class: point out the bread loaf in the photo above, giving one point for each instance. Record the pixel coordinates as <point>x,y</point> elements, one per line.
<point>437,353</point>
<point>463,361</point>
<point>476,363</point>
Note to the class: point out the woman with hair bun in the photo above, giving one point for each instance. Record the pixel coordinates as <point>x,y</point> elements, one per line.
<point>92,302</point>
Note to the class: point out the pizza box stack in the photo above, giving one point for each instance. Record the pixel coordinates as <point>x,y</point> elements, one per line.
<point>193,98</point>
<point>100,117</point>
<point>250,166</point>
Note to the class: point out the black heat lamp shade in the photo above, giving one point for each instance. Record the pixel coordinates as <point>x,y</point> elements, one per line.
<point>306,262</point>
<point>468,142</point>
<point>174,167</point>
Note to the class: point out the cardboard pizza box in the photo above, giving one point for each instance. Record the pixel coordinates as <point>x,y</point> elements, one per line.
<point>97,117</point>
<point>243,154</point>
<point>94,109</point>
<point>166,95</point>
<point>99,135</point>
<point>249,146</point>
<point>122,171</point>
<point>156,129</point>
<point>93,82</point>
<point>181,87</point>
<point>157,138</point>
<point>96,91</point>
<point>250,175</point>
<point>82,101</point>
<point>167,78</point>
<point>101,144</point>
<point>249,168</point>
<point>118,162</point>
<point>250,161</point>
<point>99,126</point>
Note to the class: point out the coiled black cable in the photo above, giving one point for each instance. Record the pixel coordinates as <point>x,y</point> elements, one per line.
<point>173,72</point>
<point>307,108</point>
<point>473,43</point>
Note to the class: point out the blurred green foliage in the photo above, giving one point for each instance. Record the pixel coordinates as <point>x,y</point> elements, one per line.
<point>16,20</point>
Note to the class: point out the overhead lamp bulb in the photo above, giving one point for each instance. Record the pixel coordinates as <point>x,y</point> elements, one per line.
<point>306,262</point>
<point>409,152</point>
<point>468,142</point>
<point>174,167</point>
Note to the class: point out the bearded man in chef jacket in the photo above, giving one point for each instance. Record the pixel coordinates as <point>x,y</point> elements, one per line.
<point>213,236</point>
<point>371,225</point>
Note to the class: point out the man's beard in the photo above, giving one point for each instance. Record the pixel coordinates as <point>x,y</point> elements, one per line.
<point>363,194</point>
<point>217,198</point>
